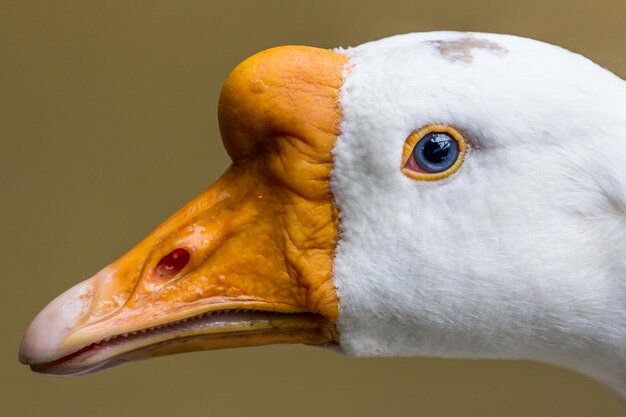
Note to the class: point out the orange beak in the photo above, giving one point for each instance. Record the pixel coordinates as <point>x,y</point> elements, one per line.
<point>247,262</point>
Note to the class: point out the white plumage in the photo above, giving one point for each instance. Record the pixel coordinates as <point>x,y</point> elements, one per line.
<point>519,254</point>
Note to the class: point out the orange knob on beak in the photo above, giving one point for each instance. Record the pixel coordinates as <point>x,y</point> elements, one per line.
<point>248,261</point>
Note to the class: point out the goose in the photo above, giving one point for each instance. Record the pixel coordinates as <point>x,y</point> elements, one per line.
<point>459,195</point>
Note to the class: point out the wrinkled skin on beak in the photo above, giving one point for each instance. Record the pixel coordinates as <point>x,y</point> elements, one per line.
<point>259,240</point>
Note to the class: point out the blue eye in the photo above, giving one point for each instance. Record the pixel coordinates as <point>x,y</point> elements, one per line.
<point>433,152</point>
<point>436,152</point>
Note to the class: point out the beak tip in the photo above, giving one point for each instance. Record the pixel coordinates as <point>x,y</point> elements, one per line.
<point>22,357</point>
<point>45,334</point>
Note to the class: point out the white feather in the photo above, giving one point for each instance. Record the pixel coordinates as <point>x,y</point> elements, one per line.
<point>521,253</point>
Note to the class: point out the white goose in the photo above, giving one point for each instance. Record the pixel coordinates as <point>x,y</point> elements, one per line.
<point>447,194</point>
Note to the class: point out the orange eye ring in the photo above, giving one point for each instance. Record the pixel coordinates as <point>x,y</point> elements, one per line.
<point>409,166</point>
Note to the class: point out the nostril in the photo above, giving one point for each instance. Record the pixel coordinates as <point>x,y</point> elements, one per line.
<point>171,264</point>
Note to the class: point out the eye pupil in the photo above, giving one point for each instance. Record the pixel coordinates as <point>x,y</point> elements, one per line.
<point>436,152</point>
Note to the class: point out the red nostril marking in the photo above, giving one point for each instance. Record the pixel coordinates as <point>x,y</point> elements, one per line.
<point>171,264</point>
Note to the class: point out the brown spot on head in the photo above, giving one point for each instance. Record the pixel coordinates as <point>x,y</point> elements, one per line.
<point>461,49</point>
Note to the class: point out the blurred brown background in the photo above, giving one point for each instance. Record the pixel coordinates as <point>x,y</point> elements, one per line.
<point>108,124</point>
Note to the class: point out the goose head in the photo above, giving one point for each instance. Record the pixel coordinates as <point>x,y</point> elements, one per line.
<point>441,194</point>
